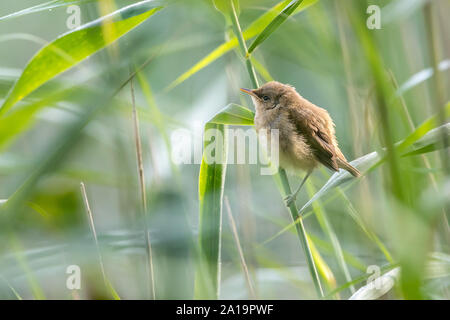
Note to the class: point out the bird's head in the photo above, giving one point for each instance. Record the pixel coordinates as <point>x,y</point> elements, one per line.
<point>271,95</point>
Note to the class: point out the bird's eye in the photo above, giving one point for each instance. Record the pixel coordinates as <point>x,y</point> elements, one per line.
<point>266,98</point>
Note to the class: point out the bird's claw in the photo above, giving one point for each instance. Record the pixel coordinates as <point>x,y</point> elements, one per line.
<point>289,199</point>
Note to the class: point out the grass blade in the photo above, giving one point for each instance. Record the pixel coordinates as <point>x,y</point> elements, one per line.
<point>210,186</point>
<point>281,177</point>
<point>328,249</point>
<point>398,10</point>
<point>239,248</point>
<point>422,76</point>
<point>253,30</point>
<point>274,24</point>
<point>71,48</point>
<point>17,121</point>
<point>365,276</point>
<point>365,163</point>
<point>234,114</point>
<point>108,284</point>
<point>140,165</point>
<point>285,189</point>
<point>14,291</point>
<point>424,132</point>
<point>369,233</point>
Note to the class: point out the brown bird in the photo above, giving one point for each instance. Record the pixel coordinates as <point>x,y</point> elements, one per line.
<point>306,131</point>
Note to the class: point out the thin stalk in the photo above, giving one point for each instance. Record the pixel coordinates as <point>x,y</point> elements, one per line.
<point>239,248</point>
<point>140,164</point>
<point>97,246</point>
<point>438,82</point>
<point>91,224</point>
<point>281,176</point>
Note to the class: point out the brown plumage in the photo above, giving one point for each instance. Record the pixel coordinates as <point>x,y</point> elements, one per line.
<point>307,135</point>
<point>306,131</point>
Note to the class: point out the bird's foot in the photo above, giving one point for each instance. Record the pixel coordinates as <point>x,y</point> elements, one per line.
<point>290,199</point>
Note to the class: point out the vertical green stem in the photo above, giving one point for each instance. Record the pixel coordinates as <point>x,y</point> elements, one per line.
<point>242,45</point>
<point>281,175</point>
<point>211,187</point>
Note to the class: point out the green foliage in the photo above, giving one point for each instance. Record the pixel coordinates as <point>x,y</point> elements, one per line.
<point>210,192</point>
<point>72,48</point>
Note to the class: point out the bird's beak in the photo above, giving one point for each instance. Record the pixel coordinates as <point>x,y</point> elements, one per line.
<point>250,92</point>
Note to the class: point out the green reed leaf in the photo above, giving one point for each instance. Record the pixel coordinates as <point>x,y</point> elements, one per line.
<point>70,49</point>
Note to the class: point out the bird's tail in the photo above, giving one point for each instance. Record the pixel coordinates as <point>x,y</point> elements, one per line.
<point>347,166</point>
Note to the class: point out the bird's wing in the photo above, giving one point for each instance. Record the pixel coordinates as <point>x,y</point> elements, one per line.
<point>314,129</point>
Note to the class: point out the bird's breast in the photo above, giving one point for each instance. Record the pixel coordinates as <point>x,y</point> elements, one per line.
<point>294,151</point>
<point>267,120</point>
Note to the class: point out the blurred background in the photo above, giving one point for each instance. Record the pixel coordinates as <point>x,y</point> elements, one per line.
<point>379,86</point>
